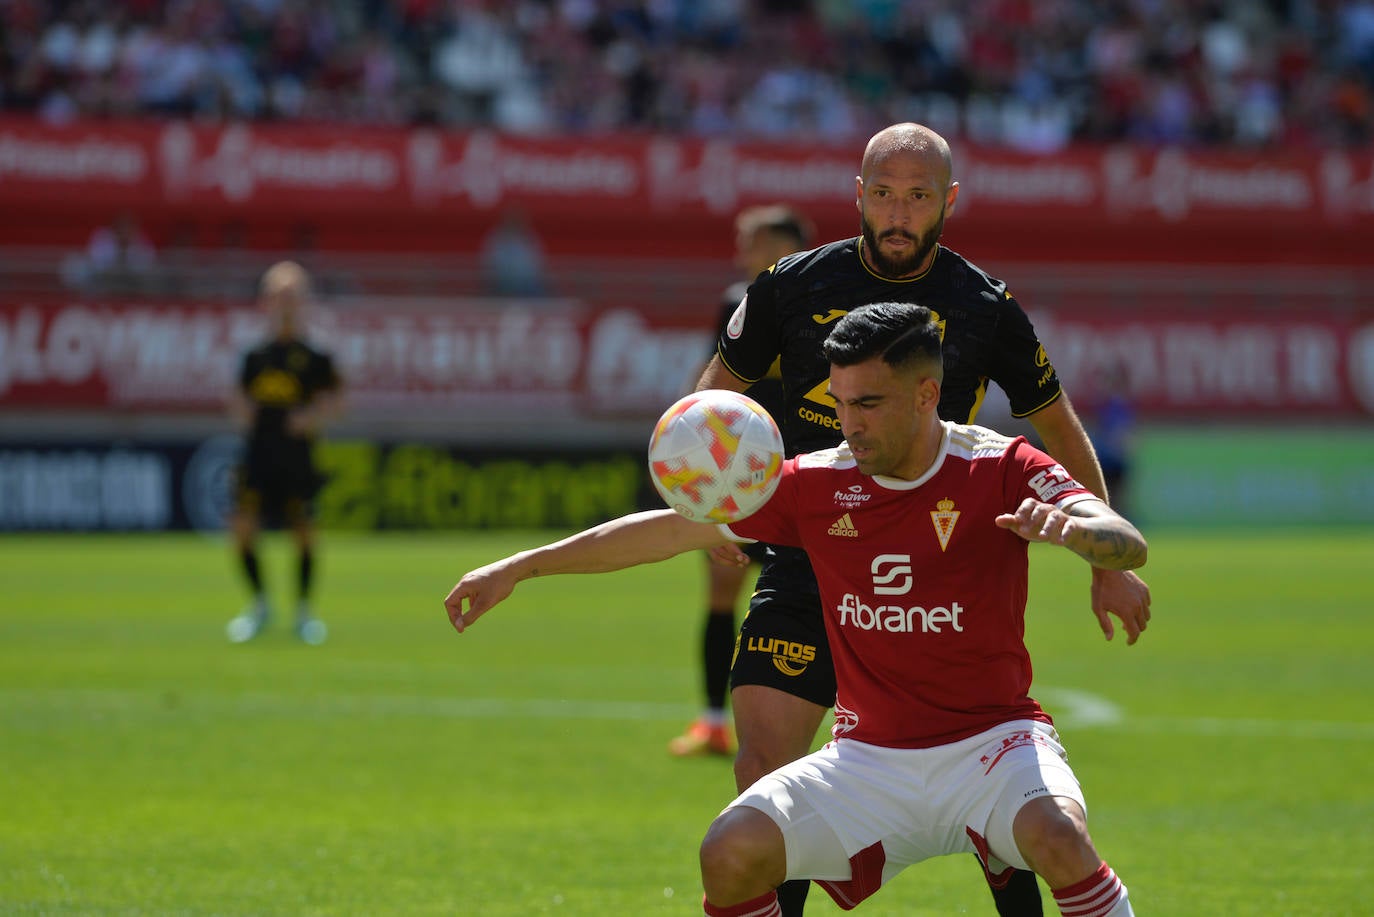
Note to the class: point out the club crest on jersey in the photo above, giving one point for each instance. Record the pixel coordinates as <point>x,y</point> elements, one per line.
<point>943,517</point>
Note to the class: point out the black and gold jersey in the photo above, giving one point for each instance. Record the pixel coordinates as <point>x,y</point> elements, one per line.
<point>767,391</point>
<point>789,310</point>
<point>280,377</point>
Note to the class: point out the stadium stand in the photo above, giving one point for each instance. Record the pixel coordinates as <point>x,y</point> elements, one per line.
<point>1027,75</point>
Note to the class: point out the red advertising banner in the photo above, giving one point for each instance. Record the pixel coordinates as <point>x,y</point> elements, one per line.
<point>431,190</point>
<point>1270,368</point>
<point>515,362</point>
<point>558,363</point>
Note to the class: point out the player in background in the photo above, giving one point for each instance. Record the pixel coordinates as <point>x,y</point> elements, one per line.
<point>762,236</point>
<point>287,393</point>
<point>938,747</point>
<point>905,190</point>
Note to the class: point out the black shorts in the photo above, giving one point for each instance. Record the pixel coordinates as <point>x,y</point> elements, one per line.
<point>277,485</point>
<point>782,641</point>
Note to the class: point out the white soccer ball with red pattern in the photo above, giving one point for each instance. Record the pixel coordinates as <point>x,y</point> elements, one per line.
<point>715,456</point>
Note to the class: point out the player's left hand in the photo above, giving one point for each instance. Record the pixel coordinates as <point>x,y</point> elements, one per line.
<point>483,588</point>
<point>1125,595</point>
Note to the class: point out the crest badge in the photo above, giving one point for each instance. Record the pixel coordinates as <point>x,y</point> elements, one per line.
<point>943,517</point>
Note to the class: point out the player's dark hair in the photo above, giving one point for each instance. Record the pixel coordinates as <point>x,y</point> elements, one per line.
<point>901,333</point>
<point>777,220</point>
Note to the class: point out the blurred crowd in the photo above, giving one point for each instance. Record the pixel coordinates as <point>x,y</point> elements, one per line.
<point>1029,74</point>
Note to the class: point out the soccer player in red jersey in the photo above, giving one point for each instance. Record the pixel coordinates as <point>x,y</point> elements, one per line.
<point>904,192</point>
<point>918,529</point>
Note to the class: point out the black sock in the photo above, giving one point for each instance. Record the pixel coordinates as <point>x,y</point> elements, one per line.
<point>306,570</point>
<point>249,558</point>
<point>792,896</point>
<point>718,649</point>
<point>1020,897</point>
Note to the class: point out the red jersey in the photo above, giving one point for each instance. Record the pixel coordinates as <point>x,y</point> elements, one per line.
<point>924,596</point>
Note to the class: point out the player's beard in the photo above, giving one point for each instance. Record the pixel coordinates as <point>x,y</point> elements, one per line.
<point>899,267</point>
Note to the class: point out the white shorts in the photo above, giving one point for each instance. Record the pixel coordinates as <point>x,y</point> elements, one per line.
<point>854,815</point>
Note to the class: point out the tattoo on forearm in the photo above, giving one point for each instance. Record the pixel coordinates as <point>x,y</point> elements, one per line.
<point>1112,546</point>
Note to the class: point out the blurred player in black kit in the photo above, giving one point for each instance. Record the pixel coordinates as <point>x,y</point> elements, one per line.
<point>762,236</point>
<point>287,392</point>
<point>904,192</point>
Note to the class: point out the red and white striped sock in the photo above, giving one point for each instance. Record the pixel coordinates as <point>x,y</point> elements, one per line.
<point>1099,895</point>
<point>762,906</point>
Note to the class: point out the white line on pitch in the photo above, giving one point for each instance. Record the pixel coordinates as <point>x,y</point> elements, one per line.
<point>1070,707</point>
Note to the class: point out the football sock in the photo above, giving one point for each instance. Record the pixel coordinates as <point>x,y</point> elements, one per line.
<point>792,897</point>
<point>1099,895</point>
<point>718,649</point>
<point>249,559</point>
<point>1019,897</point>
<point>305,573</point>
<point>762,906</point>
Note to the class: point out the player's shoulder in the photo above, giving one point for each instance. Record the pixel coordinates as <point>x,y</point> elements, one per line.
<point>836,458</point>
<point>972,442</point>
<point>962,274</point>
<point>805,266</point>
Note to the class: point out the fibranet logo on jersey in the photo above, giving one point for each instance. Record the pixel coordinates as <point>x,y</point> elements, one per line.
<point>896,619</point>
<point>892,575</point>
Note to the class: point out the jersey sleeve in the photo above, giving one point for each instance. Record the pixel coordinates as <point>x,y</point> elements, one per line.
<point>1034,473</point>
<point>776,521</point>
<point>1019,364</point>
<point>751,339</point>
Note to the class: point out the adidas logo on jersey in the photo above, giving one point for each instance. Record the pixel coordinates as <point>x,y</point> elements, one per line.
<point>843,527</point>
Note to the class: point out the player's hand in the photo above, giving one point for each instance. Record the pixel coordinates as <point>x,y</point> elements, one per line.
<point>1122,593</point>
<point>729,555</point>
<point>483,588</point>
<point>1036,521</point>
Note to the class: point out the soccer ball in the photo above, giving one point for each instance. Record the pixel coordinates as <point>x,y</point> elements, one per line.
<point>715,456</point>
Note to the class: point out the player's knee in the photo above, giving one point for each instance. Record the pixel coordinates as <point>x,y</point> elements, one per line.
<point>742,856</point>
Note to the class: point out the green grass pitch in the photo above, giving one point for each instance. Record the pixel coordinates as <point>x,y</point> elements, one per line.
<point>148,767</point>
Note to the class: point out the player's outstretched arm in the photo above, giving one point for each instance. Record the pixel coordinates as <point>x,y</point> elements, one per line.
<point>640,538</point>
<point>1099,535</point>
